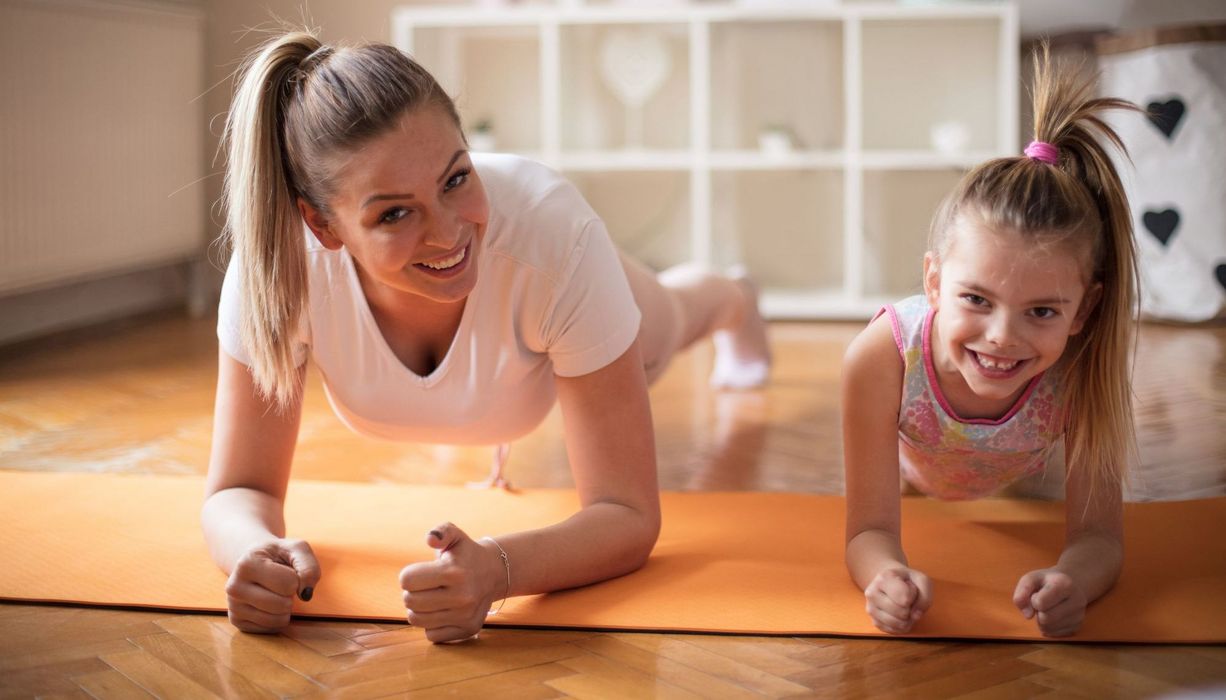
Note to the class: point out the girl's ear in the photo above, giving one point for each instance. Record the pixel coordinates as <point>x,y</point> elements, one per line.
<point>1093,295</point>
<point>318,223</point>
<point>932,279</point>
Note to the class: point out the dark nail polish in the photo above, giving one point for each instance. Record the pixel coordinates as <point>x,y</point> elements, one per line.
<point>306,593</point>
<point>436,534</point>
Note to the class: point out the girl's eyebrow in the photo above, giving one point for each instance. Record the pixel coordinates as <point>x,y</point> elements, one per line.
<point>409,195</point>
<point>1045,301</point>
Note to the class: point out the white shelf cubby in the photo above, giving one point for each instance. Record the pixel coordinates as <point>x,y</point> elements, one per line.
<point>831,226</point>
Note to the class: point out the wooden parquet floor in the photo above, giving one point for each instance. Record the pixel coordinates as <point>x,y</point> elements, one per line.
<point>137,397</point>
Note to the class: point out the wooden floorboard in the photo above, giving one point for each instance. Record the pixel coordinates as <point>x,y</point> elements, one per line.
<point>137,398</point>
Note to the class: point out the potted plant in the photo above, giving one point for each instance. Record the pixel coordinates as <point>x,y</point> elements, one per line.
<point>481,135</point>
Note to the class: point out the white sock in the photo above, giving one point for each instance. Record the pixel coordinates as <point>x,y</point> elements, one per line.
<point>732,372</point>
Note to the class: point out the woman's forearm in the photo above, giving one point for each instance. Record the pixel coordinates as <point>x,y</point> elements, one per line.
<point>601,541</point>
<point>870,552</point>
<point>1093,560</point>
<point>236,519</point>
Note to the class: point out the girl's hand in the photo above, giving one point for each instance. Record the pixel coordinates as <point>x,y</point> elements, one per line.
<point>260,591</point>
<point>1054,598</point>
<point>896,598</point>
<point>450,596</point>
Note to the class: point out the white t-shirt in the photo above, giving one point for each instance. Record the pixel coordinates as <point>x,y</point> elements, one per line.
<point>551,298</point>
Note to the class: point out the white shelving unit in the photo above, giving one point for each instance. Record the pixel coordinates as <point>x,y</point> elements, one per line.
<point>832,228</point>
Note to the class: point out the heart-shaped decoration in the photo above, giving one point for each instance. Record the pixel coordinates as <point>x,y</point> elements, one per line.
<point>634,64</point>
<point>1220,272</point>
<point>1161,224</point>
<point>1166,115</point>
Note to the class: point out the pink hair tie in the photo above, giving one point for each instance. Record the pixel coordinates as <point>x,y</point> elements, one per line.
<point>1043,151</point>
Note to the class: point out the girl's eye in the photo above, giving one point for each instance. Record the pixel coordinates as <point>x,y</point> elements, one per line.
<point>456,180</point>
<point>393,215</point>
<point>975,299</point>
<point>1044,312</point>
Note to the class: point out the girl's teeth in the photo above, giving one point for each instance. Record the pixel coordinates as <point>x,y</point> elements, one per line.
<point>989,363</point>
<point>447,263</point>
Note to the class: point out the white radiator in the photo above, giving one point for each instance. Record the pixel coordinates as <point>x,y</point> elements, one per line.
<point>101,138</point>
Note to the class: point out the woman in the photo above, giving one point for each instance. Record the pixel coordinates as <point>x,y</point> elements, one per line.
<point>444,296</point>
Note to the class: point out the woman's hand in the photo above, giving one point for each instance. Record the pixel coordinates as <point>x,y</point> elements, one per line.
<point>450,596</point>
<point>260,591</point>
<point>1054,599</point>
<point>896,598</point>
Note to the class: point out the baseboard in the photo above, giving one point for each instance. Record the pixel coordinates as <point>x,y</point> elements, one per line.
<point>42,312</point>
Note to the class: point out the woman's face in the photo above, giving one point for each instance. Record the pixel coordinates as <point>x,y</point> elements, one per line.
<point>410,209</point>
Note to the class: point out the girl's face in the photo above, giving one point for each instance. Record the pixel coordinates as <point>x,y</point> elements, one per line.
<point>1005,308</point>
<point>410,209</point>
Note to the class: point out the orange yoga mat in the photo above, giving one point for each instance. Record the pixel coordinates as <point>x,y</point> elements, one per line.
<point>761,563</point>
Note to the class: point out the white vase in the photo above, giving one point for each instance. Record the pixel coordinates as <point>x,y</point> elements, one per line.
<point>775,143</point>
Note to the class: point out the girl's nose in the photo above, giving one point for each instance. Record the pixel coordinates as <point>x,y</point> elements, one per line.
<point>1000,330</point>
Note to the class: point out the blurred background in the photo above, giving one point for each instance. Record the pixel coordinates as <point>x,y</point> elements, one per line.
<point>808,140</point>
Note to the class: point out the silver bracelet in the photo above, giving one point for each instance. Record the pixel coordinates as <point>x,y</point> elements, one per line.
<point>506,563</point>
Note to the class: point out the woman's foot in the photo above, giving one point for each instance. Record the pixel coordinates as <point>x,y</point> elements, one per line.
<point>742,353</point>
<point>496,480</point>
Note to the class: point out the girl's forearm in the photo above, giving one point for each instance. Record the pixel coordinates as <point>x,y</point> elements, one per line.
<point>600,542</point>
<point>236,519</point>
<point>1093,560</point>
<point>870,552</point>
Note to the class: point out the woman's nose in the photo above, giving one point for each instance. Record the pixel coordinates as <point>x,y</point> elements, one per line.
<point>445,232</point>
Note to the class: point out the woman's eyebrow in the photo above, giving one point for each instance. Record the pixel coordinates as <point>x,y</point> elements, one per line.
<point>409,195</point>
<point>450,163</point>
<point>381,197</point>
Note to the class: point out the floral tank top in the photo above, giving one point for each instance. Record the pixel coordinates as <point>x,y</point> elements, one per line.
<point>954,458</point>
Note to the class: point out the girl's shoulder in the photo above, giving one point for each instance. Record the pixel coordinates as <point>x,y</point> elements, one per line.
<point>904,321</point>
<point>874,353</point>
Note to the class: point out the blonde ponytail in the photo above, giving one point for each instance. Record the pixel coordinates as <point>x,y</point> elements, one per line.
<point>1098,417</point>
<point>262,219</point>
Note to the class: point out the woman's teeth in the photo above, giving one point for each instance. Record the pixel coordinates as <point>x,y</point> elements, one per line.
<point>995,363</point>
<point>447,263</point>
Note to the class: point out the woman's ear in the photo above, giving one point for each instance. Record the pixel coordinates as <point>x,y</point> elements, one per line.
<point>318,223</point>
<point>1093,295</point>
<point>932,279</point>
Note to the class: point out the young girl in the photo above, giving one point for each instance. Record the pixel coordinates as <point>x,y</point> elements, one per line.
<point>1020,342</point>
<point>445,297</point>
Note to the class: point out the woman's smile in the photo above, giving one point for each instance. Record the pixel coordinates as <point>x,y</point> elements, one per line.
<point>447,265</point>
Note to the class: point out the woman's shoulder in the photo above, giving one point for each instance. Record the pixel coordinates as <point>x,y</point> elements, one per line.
<point>515,184</point>
<point>538,219</point>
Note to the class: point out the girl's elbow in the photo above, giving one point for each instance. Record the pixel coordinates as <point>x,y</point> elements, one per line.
<point>643,543</point>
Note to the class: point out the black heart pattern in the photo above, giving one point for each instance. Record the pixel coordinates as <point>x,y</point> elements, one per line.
<point>1161,224</point>
<point>1220,272</point>
<point>1166,115</point>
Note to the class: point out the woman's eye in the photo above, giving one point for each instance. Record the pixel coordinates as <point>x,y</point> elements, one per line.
<point>393,215</point>
<point>455,180</point>
<point>975,299</point>
<point>1044,312</point>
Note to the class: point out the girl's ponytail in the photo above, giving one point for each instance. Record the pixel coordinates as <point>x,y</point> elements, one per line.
<point>262,219</point>
<point>1098,409</point>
